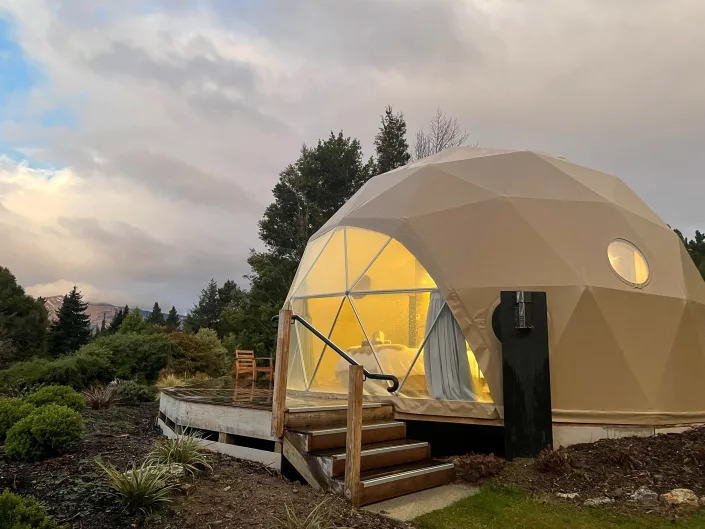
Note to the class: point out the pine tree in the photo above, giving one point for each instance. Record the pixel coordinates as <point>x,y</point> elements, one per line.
<point>173,321</point>
<point>102,330</point>
<point>72,329</point>
<point>206,313</point>
<point>134,323</point>
<point>23,321</point>
<point>117,320</point>
<point>390,142</point>
<point>157,316</point>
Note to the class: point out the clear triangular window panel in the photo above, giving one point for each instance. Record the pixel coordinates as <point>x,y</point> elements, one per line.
<point>395,269</point>
<point>362,247</point>
<point>332,371</point>
<point>321,313</point>
<point>327,275</point>
<point>313,250</point>
<point>396,325</point>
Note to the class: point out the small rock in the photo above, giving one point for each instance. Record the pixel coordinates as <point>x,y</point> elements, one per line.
<point>597,502</point>
<point>702,501</point>
<point>226,489</point>
<point>567,495</point>
<point>618,493</point>
<point>684,498</point>
<point>643,496</point>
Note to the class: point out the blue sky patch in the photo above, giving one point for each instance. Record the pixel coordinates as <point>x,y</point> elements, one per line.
<point>17,74</point>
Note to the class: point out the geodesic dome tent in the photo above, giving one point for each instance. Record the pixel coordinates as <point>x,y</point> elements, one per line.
<point>406,275</point>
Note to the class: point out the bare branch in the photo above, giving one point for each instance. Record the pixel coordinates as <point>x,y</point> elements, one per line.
<point>443,133</point>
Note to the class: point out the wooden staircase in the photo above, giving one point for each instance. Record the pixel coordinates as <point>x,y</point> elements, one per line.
<point>390,465</point>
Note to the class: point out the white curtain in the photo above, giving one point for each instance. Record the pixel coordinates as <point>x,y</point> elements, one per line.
<point>445,355</point>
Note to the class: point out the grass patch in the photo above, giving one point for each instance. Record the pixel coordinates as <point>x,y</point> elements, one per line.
<point>504,507</point>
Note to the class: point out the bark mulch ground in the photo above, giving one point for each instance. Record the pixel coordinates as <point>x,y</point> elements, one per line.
<point>237,494</point>
<point>612,468</point>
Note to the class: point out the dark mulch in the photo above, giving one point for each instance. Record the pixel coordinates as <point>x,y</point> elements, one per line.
<point>616,467</point>
<point>239,494</point>
<point>236,495</point>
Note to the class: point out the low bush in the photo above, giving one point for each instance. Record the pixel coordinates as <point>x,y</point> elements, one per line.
<point>46,431</point>
<point>11,411</point>
<point>133,356</point>
<point>185,450</point>
<point>17,512</point>
<point>78,371</point>
<point>170,380</point>
<point>140,488</point>
<point>61,395</point>
<point>100,397</point>
<point>132,393</point>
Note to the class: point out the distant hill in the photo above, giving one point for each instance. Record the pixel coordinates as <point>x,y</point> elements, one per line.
<point>95,311</point>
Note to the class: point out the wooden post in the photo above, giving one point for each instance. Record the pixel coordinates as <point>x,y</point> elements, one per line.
<point>281,370</point>
<point>353,444</point>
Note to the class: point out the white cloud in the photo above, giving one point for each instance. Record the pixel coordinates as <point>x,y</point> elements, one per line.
<point>187,112</point>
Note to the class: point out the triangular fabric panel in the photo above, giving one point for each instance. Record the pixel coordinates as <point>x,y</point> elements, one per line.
<point>595,362</point>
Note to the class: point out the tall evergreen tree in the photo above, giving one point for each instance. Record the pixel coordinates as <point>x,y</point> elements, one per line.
<point>23,321</point>
<point>206,313</point>
<point>390,142</point>
<point>309,191</point>
<point>157,316</point>
<point>172,320</point>
<point>117,320</point>
<point>72,329</point>
<point>307,194</point>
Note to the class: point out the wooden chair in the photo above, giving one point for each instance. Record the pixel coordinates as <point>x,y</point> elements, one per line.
<point>245,362</point>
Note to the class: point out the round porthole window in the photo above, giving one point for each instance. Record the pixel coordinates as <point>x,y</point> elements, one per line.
<point>628,262</point>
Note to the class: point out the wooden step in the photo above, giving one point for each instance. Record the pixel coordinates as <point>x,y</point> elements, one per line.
<point>334,415</point>
<point>403,479</point>
<point>325,438</point>
<point>375,455</point>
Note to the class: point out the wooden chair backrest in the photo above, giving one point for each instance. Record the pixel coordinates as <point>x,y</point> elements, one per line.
<point>245,358</point>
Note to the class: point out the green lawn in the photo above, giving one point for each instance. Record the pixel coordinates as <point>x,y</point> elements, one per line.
<point>504,508</point>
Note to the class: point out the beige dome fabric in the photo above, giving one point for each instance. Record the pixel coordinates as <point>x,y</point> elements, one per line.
<point>481,221</point>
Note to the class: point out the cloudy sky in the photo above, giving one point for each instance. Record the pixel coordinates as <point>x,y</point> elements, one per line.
<point>139,140</point>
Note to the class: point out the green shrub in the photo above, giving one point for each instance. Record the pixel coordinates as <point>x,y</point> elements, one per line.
<point>133,356</point>
<point>61,395</point>
<point>78,371</point>
<point>131,393</point>
<point>184,450</point>
<point>141,488</point>
<point>11,411</point>
<point>197,353</point>
<point>17,512</point>
<point>46,431</point>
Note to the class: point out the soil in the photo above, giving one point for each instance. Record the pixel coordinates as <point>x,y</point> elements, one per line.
<point>615,468</point>
<point>236,495</point>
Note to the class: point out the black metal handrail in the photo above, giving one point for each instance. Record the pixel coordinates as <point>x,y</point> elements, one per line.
<point>372,376</point>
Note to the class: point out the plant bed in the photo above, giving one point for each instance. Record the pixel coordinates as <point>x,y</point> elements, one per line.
<point>235,495</point>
